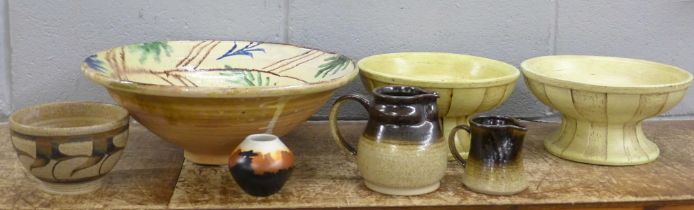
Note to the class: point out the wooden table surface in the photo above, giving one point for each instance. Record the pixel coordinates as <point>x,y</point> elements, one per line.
<point>153,175</point>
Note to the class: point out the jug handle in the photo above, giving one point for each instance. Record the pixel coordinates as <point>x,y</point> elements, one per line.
<point>451,143</point>
<point>334,130</point>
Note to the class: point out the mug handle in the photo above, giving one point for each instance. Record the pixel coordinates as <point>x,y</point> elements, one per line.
<point>451,143</point>
<point>332,118</point>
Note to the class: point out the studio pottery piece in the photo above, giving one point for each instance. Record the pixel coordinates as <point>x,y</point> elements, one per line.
<point>603,101</point>
<point>207,96</point>
<point>495,162</point>
<point>70,146</point>
<point>401,151</point>
<point>261,164</point>
<point>466,84</point>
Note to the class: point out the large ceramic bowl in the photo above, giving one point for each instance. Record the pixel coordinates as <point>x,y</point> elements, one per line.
<point>466,84</point>
<point>69,146</point>
<point>206,96</point>
<point>602,101</point>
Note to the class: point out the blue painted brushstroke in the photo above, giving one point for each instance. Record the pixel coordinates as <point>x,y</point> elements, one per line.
<point>245,51</point>
<point>94,63</point>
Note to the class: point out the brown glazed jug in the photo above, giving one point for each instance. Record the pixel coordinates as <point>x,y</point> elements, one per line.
<point>495,164</point>
<point>402,150</point>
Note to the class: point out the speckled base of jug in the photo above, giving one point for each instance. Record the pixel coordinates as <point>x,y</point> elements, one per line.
<point>402,169</point>
<point>71,188</point>
<point>497,180</point>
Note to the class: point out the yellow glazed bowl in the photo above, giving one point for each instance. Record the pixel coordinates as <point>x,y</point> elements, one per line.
<point>466,84</point>
<point>207,96</point>
<point>69,146</point>
<point>603,101</point>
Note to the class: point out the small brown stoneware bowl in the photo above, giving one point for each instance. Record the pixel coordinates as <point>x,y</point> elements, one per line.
<point>69,146</point>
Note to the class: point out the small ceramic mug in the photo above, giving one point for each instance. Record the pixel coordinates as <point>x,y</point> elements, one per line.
<point>495,164</point>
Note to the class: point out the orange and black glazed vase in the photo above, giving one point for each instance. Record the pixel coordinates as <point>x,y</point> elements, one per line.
<point>261,164</point>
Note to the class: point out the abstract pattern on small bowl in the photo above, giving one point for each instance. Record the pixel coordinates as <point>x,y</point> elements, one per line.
<point>69,146</point>
<point>261,164</point>
<point>206,96</point>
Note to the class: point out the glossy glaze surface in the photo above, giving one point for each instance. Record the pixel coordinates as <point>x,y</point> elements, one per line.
<point>69,146</point>
<point>401,151</point>
<point>261,164</point>
<point>603,101</point>
<point>466,84</point>
<point>206,96</point>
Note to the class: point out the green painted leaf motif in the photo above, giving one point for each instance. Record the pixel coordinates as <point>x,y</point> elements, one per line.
<point>151,49</point>
<point>332,65</point>
<point>245,77</point>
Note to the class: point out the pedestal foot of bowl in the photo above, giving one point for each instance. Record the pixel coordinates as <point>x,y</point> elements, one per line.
<point>601,143</point>
<point>71,188</point>
<point>402,191</point>
<point>206,159</point>
<point>462,140</point>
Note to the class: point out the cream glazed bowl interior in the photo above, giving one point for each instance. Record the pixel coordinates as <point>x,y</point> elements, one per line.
<point>206,96</point>
<point>603,101</point>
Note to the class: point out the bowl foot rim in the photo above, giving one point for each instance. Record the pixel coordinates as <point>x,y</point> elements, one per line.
<point>71,188</point>
<point>402,191</point>
<point>206,159</point>
<point>575,150</point>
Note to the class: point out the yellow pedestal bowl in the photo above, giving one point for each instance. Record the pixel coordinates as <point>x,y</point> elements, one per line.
<point>466,84</point>
<point>207,96</point>
<point>603,101</point>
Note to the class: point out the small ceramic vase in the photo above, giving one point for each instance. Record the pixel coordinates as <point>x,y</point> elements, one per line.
<point>261,164</point>
<point>69,147</point>
<point>402,151</point>
<point>495,164</point>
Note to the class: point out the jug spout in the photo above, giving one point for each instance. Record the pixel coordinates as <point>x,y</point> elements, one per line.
<point>404,105</point>
<point>405,113</point>
<point>404,95</point>
<point>499,122</point>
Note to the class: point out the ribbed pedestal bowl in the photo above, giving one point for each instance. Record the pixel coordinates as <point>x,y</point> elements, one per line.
<point>207,96</point>
<point>466,84</point>
<point>602,101</point>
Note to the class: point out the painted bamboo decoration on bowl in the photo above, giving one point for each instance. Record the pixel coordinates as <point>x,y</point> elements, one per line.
<point>402,151</point>
<point>261,164</point>
<point>207,96</point>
